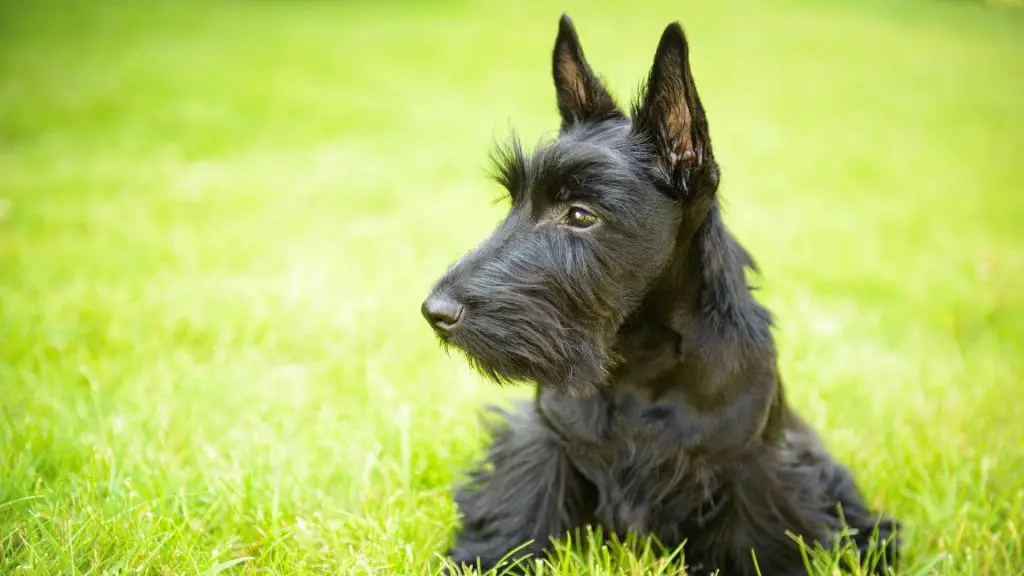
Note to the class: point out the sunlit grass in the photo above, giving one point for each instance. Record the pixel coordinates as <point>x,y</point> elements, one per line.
<point>217,222</point>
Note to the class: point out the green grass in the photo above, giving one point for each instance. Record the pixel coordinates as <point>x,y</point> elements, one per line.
<point>217,222</point>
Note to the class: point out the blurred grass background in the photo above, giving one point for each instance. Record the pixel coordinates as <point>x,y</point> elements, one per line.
<point>218,219</point>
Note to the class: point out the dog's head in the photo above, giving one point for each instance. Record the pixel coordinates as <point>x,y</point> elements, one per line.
<point>596,217</point>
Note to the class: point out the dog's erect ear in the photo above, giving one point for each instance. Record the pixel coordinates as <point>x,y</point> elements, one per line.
<point>670,113</point>
<point>581,95</point>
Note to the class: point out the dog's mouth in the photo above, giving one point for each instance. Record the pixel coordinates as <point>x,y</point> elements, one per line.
<point>511,354</point>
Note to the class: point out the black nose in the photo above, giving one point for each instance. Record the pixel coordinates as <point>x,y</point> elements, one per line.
<point>442,311</point>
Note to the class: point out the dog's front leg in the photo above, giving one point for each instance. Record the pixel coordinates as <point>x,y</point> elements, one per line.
<point>524,494</point>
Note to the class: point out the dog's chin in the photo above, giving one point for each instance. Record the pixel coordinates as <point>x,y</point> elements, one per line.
<point>580,375</point>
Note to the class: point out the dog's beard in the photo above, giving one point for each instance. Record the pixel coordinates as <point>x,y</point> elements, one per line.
<point>510,347</point>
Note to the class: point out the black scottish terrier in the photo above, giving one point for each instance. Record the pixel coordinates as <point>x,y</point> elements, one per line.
<point>615,287</point>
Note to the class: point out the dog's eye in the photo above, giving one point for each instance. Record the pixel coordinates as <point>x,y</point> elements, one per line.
<point>580,218</point>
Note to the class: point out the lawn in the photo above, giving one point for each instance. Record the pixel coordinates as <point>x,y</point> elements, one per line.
<point>218,220</point>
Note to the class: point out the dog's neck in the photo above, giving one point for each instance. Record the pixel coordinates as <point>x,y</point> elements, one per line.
<point>699,325</point>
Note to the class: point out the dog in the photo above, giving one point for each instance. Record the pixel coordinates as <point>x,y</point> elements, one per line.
<point>614,287</point>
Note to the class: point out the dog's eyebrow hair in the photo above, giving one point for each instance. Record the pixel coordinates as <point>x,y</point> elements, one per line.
<point>557,179</point>
<point>559,175</point>
<point>510,167</point>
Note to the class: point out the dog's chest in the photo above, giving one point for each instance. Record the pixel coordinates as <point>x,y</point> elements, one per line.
<point>629,447</point>
<point>617,426</point>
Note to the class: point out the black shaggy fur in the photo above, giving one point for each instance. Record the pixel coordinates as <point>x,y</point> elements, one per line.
<point>615,287</point>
